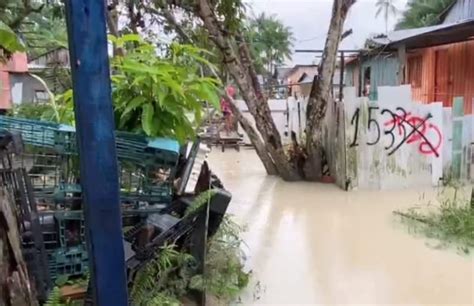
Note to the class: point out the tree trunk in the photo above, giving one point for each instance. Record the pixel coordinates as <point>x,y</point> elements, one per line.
<point>241,69</point>
<point>321,90</point>
<point>246,125</point>
<point>15,287</point>
<point>254,138</point>
<point>112,24</point>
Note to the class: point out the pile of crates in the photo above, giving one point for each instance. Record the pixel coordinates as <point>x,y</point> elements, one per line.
<point>50,159</point>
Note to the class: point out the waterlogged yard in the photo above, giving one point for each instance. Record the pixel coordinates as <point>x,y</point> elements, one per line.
<point>315,244</point>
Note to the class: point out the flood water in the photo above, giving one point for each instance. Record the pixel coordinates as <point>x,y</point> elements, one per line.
<point>315,244</point>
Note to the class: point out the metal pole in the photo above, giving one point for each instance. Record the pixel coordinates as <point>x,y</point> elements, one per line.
<point>96,141</point>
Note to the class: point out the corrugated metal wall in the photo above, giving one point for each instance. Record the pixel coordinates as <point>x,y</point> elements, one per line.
<point>383,72</point>
<point>447,72</point>
<point>461,10</point>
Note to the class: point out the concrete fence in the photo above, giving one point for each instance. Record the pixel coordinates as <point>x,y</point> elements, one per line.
<point>389,143</point>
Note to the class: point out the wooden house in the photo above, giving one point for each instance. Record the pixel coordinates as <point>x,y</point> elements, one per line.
<point>438,61</point>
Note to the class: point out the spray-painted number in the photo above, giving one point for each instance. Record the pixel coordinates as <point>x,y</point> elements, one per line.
<point>418,129</point>
<point>371,122</point>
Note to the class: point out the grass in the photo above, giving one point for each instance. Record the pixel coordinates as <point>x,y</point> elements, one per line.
<point>452,222</point>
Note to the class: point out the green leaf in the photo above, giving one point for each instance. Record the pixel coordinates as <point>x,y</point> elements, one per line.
<point>133,104</point>
<point>147,118</point>
<point>9,40</point>
<point>120,41</point>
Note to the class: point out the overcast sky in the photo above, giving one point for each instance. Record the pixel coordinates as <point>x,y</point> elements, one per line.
<point>309,21</point>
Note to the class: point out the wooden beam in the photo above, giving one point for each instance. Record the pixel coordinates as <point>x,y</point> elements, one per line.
<point>402,58</point>
<point>97,151</point>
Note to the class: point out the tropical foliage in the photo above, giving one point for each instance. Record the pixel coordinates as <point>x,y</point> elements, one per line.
<point>387,7</point>
<point>270,41</point>
<point>161,95</point>
<point>422,13</point>
<point>9,42</point>
<point>225,276</point>
<point>40,23</point>
<point>172,275</point>
<point>59,109</point>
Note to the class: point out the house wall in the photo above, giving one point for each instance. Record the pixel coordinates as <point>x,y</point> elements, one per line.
<point>17,63</point>
<point>293,78</point>
<point>27,88</point>
<point>383,72</point>
<point>5,96</point>
<point>55,57</point>
<point>457,67</point>
<point>461,10</point>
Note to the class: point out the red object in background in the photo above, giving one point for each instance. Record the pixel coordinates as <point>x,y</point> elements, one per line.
<point>230,91</point>
<point>17,63</point>
<point>5,95</point>
<point>225,106</point>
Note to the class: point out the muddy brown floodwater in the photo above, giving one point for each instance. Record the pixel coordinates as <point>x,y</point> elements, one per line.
<point>315,244</point>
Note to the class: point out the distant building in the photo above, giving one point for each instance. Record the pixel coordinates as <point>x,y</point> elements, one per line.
<point>17,85</point>
<point>53,67</point>
<point>438,62</point>
<point>299,79</point>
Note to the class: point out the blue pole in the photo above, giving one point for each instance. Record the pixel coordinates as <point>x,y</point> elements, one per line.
<point>97,152</point>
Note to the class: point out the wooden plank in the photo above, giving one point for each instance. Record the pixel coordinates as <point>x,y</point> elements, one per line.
<point>97,149</point>
<point>15,287</point>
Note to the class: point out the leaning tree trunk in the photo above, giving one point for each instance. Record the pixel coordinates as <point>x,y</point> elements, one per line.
<point>254,138</point>
<point>241,69</point>
<point>15,287</point>
<point>249,129</point>
<point>321,90</point>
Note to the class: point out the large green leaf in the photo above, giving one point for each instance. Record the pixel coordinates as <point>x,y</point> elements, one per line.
<point>9,40</point>
<point>133,104</point>
<point>147,118</point>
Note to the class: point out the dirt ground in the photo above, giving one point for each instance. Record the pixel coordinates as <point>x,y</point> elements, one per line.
<point>314,244</point>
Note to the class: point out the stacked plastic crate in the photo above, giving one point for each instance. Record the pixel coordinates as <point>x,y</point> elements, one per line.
<point>147,169</point>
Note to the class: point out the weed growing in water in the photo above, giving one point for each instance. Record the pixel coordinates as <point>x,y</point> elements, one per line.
<point>452,222</point>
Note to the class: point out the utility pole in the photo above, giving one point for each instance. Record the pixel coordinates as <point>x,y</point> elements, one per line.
<point>86,23</point>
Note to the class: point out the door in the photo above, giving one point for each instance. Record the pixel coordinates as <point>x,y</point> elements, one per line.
<point>442,76</point>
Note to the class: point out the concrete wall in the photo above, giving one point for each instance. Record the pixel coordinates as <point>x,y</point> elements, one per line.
<point>392,142</point>
<point>279,110</point>
<point>387,143</point>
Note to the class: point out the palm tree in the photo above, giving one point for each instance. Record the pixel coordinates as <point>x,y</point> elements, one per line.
<point>271,42</point>
<point>423,13</point>
<point>388,8</point>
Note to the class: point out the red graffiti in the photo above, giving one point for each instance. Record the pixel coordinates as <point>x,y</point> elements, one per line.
<point>420,128</point>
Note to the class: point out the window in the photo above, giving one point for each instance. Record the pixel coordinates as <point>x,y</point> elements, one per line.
<point>41,96</point>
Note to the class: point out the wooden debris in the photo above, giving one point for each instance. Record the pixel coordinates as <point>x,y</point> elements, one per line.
<point>15,287</point>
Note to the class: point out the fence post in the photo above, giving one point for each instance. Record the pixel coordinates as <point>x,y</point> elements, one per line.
<point>458,113</point>
<point>97,152</point>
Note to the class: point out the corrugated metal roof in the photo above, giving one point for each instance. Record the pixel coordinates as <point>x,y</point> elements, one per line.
<point>412,34</point>
<point>399,35</point>
<point>426,36</point>
<point>461,10</point>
